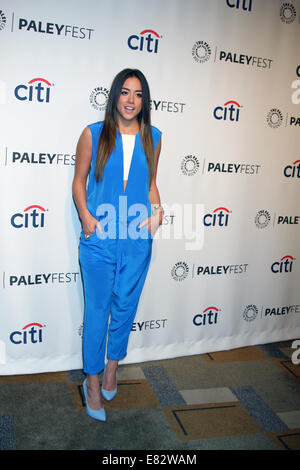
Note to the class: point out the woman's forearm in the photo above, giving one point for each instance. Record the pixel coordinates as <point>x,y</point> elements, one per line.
<point>79,194</point>
<point>154,196</point>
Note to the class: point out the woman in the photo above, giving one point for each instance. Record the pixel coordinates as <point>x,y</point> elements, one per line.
<point>120,157</point>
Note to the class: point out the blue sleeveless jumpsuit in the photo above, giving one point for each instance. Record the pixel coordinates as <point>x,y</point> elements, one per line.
<point>114,264</point>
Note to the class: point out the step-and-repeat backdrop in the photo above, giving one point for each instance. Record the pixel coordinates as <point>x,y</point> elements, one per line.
<point>225,90</point>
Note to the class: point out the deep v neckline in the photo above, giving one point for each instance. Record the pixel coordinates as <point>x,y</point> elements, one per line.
<point>124,191</point>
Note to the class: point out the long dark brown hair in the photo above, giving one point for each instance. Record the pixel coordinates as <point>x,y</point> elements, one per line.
<point>107,139</point>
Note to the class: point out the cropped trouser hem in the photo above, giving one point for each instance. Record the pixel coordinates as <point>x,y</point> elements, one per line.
<point>115,358</point>
<point>92,372</point>
<point>97,371</point>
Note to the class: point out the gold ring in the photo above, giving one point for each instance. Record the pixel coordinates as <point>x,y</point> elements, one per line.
<point>86,236</point>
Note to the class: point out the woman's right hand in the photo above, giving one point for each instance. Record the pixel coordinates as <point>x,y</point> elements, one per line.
<point>89,224</point>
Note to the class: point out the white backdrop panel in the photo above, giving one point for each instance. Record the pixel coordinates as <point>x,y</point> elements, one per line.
<point>221,75</point>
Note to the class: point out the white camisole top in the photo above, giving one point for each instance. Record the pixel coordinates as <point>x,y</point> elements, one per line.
<point>128,146</point>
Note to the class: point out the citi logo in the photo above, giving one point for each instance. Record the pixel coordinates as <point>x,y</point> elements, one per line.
<point>147,40</point>
<point>37,89</point>
<point>30,334</point>
<point>219,218</point>
<point>285,265</point>
<point>229,111</point>
<point>33,216</point>
<point>292,171</point>
<point>245,5</point>
<point>209,316</point>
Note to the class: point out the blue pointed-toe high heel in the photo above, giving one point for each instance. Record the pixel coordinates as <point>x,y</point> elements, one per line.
<point>109,394</point>
<point>100,415</point>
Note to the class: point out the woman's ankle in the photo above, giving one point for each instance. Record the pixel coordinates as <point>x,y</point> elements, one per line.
<point>92,380</point>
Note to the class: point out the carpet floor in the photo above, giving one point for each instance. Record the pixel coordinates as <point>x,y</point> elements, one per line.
<point>242,399</point>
